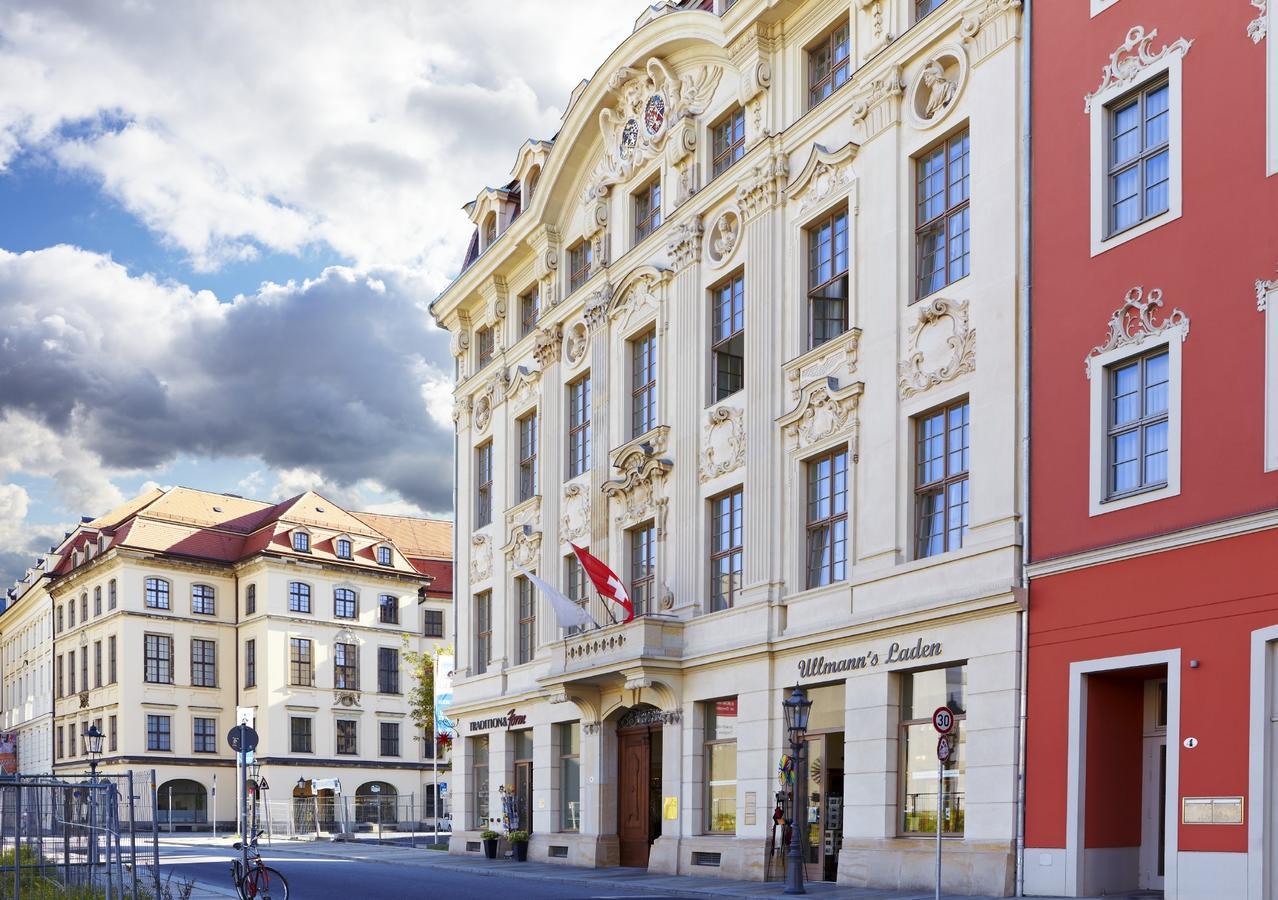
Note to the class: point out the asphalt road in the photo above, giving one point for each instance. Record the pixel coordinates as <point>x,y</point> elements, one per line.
<point>324,878</point>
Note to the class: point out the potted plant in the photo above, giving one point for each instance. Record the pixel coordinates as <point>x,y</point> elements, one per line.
<point>490,838</point>
<point>519,842</point>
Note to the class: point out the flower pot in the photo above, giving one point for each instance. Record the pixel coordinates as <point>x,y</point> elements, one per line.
<point>490,848</point>
<point>521,851</point>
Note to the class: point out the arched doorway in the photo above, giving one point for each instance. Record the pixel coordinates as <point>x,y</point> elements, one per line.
<point>376,802</point>
<point>639,745</point>
<point>183,803</point>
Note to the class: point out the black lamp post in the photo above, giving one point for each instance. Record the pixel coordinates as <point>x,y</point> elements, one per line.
<point>93,747</point>
<point>797,709</point>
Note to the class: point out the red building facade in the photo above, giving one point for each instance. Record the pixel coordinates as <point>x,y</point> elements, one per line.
<point>1153,619</point>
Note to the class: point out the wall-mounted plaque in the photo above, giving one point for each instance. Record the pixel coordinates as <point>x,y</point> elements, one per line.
<point>1212,811</point>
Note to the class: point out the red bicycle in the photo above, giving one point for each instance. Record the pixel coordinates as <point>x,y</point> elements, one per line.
<point>260,882</point>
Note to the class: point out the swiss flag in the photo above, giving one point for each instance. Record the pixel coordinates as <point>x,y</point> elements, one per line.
<point>605,581</point>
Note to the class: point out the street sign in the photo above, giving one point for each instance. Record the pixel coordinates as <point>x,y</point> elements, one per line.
<point>943,748</point>
<point>263,785</point>
<point>943,720</point>
<point>242,738</point>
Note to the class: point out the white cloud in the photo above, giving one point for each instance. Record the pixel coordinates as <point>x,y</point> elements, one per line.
<point>231,128</point>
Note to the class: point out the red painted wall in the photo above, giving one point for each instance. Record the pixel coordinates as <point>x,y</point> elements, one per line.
<point>1206,264</point>
<point>1205,600</point>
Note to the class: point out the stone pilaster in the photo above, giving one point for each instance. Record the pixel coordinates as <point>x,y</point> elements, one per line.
<point>597,306</point>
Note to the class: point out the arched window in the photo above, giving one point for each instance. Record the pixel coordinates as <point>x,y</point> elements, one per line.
<point>202,599</point>
<point>343,548</point>
<point>375,801</point>
<point>71,613</point>
<point>301,542</point>
<point>185,799</point>
<point>157,593</point>
<point>111,596</point>
<point>84,607</point>
<point>384,555</point>
<point>97,600</point>
<point>345,603</point>
<point>490,230</point>
<point>299,597</point>
<point>530,185</point>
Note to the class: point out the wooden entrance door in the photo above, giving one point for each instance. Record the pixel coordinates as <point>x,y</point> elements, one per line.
<point>633,821</point>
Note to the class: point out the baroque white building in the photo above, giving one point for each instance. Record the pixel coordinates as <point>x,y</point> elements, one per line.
<point>723,331</point>
<point>26,671</point>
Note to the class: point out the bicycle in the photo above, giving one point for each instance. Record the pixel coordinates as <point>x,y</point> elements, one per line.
<point>260,882</point>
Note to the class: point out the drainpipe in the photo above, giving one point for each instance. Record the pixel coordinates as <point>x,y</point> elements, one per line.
<point>1026,247</point>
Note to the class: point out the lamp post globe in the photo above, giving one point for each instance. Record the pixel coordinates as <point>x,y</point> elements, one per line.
<point>797,709</point>
<point>93,748</point>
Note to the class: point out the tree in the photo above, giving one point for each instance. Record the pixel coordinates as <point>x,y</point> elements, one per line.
<point>421,687</point>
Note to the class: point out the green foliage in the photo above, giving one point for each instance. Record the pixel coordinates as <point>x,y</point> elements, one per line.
<point>519,837</point>
<point>41,886</point>
<point>421,685</point>
<point>488,835</point>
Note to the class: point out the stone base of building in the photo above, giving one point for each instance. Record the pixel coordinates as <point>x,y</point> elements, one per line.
<point>726,857</point>
<point>588,850</point>
<point>968,867</point>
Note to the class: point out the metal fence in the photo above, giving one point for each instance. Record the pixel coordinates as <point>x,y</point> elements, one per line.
<point>394,818</point>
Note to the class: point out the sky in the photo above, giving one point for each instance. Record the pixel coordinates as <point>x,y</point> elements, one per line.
<point>221,225</point>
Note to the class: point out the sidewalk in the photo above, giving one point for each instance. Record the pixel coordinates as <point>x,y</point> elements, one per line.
<point>667,885</point>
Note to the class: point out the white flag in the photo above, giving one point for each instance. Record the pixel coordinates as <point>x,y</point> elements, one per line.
<point>569,614</point>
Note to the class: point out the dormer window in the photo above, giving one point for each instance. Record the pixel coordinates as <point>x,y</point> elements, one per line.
<point>343,548</point>
<point>530,186</point>
<point>384,555</point>
<point>490,230</point>
<point>301,542</point>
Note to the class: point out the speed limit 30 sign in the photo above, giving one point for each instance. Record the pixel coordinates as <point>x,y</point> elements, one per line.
<point>943,720</point>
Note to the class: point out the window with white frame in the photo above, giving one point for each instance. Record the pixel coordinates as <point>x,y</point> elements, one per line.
<point>301,542</point>
<point>529,311</point>
<point>647,209</point>
<point>643,383</point>
<point>528,456</point>
<point>829,64</point>
<point>384,555</point>
<point>1135,128</point>
<point>1267,303</point>
<point>483,484</point>
<point>643,565</point>
<point>728,141</point>
<point>579,426</point>
<point>727,347</point>
<point>527,619</point>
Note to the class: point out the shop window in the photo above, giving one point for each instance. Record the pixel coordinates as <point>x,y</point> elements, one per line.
<point>921,694</point>
<point>569,775</point>
<point>721,765</point>
<point>479,778</point>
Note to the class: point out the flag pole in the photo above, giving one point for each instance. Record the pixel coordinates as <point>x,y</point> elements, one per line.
<point>604,604</point>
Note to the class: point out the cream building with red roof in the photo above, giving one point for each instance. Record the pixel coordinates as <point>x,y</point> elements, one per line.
<point>182,606</point>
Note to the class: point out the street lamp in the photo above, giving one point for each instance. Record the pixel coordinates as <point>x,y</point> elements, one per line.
<point>254,770</point>
<point>797,709</point>
<point>93,747</point>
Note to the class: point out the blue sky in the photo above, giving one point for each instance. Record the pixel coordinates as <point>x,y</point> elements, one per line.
<point>209,216</point>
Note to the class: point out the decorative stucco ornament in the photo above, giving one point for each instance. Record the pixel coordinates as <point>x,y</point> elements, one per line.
<point>574,523</point>
<point>723,238</point>
<point>1128,63</point>
<point>723,443</point>
<point>576,343</point>
<point>940,90</point>
<point>942,346</point>
<point>481,557</point>
<point>1133,323</point>
<point>1258,28</point>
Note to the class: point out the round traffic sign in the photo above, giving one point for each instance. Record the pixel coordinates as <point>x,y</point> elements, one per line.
<point>242,738</point>
<point>943,720</point>
<point>943,748</point>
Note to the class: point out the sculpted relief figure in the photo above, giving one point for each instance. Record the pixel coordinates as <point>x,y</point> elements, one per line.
<point>941,90</point>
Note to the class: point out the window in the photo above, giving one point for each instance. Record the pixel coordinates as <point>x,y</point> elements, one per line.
<point>84,669</point>
<point>343,548</point>
<point>643,384</point>
<point>157,595</point>
<point>479,772</point>
<point>203,663</point>
<point>1139,157</point>
<point>345,604</point>
<point>158,734</point>
<point>58,744</point>
<point>725,549</point>
<point>528,457</point>
<point>483,484</point>
<point>111,595</point>
<point>579,426</point>
<point>490,230</point>
<point>921,694</point>
<point>300,667</point>
<point>828,64</point>
<point>347,737</point>
<point>728,336</point>
<point>111,660</point>
<point>384,556</point>
<point>113,731</point>
<point>389,738</point>
<point>827,518</point>
<point>299,597</point>
<point>388,609</point>
<point>942,444</point>
<point>943,229</point>
<point>728,142</point>
<point>529,311</point>
<point>70,614</point>
<point>84,607</point>
<point>250,600</point>
<point>71,672</point>
<point>483,631</point>
<point>721,765</point>
<point>643,564</point>
<point>202,600</point>
<point>923,7</point>
<point>204,735</point>
<point>1137,425</point>
<point>433,623</point>
<point>299,735</point>
<point>158,656</point>
<point>97,601</point>
<point>647,210</point>
<point>483,345</point>
<point>827,278</point>
<point>301,542</point>
<point>569,775</point>
<point>58,682</point>
<point>387,670</point>
<point>579,261</point>
<point>58,629</point>
<point>250,663</point>
<point>527,619</point>
<point>97,664</point>
<point>575,584</point>
<point>345,667</point>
